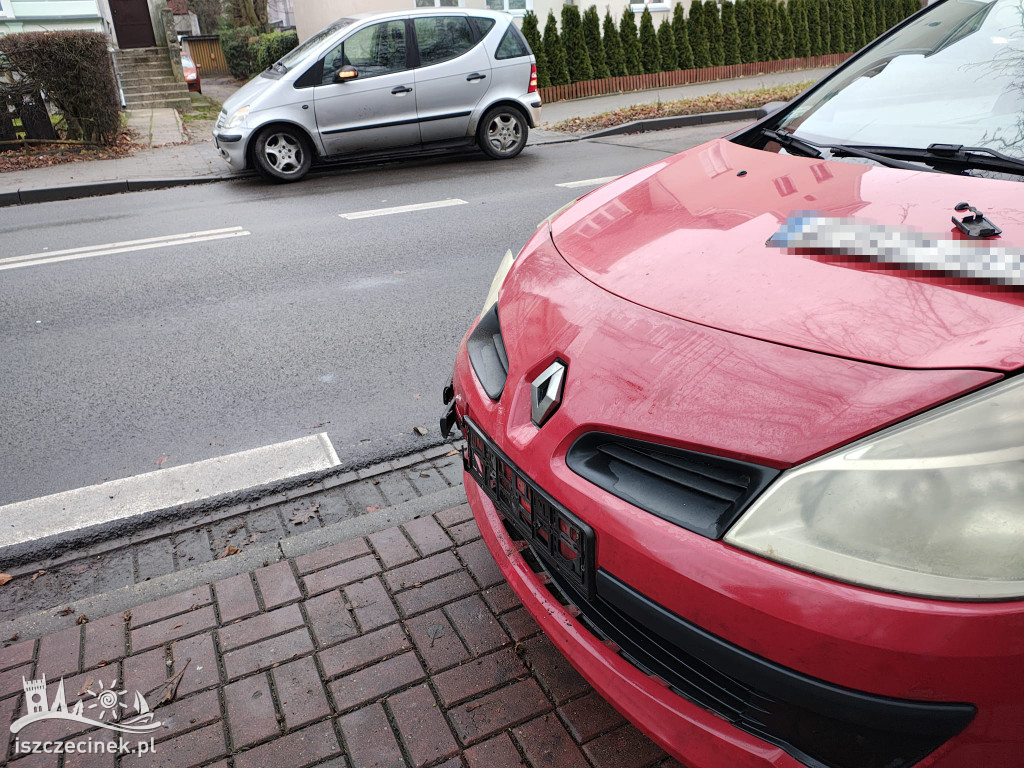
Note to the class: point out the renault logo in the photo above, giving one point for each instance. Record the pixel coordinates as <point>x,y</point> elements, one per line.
<point>546,392</point>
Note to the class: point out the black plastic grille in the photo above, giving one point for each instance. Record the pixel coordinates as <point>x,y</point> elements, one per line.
<point>487,354</point>
<point>702,493</point>
<point>564,541</point>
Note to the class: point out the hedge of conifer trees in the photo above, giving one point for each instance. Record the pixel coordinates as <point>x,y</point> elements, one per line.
<point>583,47</point>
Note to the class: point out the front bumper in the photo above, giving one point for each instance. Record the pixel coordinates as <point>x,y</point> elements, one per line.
<point>889,647</point>
<point>231,144</point>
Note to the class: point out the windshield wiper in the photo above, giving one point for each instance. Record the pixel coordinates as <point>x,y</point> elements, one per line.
<point>952,157</point>
<point>808,148</point>
<point>792,143</point>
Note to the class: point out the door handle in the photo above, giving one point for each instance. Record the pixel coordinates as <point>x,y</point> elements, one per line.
<point>475,76</point>
<point>401,89</point>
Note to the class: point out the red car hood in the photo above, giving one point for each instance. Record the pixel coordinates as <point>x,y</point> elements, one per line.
<point>686,237</point>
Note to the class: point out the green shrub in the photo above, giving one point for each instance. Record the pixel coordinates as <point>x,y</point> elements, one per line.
<point>748,31</point>
<point>786,36</point>
<point>824,25</point>
<point>237,51</point>
<point>730,33</point>
<point>592,35</point>
<point>682,39</point>
<point>576,54</point>
<point>270,47</point>
<point>667,46</point>
<point>764,29</point>
<point>879,7</point>
<point>801,34</point>
<point>630,43</point>
<point>613,47</point>
<point>650,51</point>
<point>860,36</point>
<point>554,52</point>
<point>813,26</point>
<point>73,68</point>
<point>870,30</point>
<point>713,30</point>
<point>531,31</point>
<point>698,32</point>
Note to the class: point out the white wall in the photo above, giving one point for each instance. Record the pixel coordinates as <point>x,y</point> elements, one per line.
<point>313,15</point>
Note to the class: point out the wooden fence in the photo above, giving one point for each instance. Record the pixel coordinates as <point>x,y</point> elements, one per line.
<point>685,77</point>
<point>207,54</point>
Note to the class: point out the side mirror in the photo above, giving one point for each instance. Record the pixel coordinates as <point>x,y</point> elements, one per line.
<point>345,74</point>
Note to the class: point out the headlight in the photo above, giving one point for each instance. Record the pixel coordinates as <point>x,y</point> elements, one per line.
<point>499,278</point>
<point>237,117</point>
<point>550,217</point>
<point>931,507</point>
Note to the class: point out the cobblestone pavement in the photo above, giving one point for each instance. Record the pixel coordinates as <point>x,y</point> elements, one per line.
<point>182,543</point>
<point>401,648</point>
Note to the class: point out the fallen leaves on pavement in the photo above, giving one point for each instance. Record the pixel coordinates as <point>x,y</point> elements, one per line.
<point>303,515</point>
<point>713,102</point>
<point>228,551</point>
<point>4,578</point>
<point>45,155</point>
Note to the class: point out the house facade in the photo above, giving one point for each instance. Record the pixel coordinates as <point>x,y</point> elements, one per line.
<point>313,15</point>
<point>130,23</point>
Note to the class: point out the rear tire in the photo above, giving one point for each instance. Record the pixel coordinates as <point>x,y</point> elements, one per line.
<point>282,154</point>
<point>502,132</point>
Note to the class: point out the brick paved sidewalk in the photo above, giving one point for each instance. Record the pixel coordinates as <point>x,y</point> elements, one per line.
<point>404,648</point>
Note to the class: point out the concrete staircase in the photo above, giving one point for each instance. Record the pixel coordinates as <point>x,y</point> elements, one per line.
<point>148,80</point>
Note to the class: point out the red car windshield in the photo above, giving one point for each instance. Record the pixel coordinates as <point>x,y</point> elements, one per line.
<point>953,75</point>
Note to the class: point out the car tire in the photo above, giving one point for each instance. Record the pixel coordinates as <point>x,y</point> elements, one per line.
<point>282,154</point>
<point>502,132</point>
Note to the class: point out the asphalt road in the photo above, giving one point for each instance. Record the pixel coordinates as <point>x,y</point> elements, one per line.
<point>309,323</point>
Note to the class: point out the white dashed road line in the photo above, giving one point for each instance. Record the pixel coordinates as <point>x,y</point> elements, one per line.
<point>403,209</point>
<point>588,182</point>
<point>125,246</point>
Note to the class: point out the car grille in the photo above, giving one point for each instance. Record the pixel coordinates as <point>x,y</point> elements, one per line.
<point>702,493</point>
<point>820,724</point>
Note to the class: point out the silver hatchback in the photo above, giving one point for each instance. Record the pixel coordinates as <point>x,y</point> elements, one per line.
<point>386,83</point>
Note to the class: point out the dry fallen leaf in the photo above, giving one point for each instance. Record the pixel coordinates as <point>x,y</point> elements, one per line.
<point>169,688</point>
<point>4,578</point>
<point>83,619</point>
<point>67,611</point>
<point>37,574</point>
<point>420,430</point>
<point>300,515</point>
<point>229,550</point>
<point>373,508</point>
<point>85,687</point>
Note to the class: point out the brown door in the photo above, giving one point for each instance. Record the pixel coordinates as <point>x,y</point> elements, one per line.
<point>132,24</point>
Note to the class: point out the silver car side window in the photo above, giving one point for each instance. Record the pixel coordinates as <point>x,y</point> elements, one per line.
<point>442,37</point>
<point>375,50</point>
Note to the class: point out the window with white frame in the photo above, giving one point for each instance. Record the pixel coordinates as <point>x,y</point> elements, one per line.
<point>440,3</point>
<point>515,7</point>
<point>6,10</point>
<point>637,6</point>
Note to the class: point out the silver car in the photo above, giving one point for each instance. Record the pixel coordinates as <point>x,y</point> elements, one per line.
<point>386,83</point>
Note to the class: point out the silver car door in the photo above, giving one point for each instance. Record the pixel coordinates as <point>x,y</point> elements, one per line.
<point>453,76</point>
<point>377,109</point>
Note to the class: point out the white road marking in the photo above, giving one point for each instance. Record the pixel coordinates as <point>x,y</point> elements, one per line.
<point>119,500</point>
<point>83,252</point>
<point>588,182</point>
<point>403,209</point>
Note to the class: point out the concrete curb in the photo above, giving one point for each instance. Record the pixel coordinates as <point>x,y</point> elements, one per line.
<point>293,487</point>
<point>99,188</point>
<point>251,558</point>
<point>679,121</point>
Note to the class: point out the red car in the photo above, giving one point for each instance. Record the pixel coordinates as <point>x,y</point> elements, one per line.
<point>191,73</point>
<point>746,426</point>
